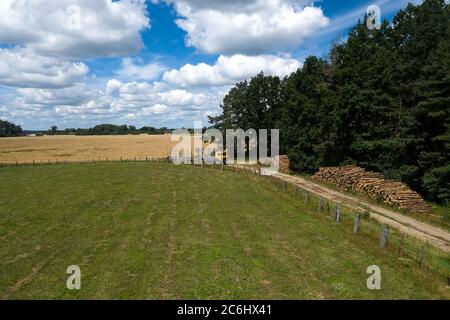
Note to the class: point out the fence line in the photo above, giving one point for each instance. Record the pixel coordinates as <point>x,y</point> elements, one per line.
<point>298,192</point>
<point>417,252</point>
<point>43,162</point>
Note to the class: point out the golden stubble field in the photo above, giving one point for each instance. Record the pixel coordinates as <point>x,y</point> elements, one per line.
<point>83,148</point>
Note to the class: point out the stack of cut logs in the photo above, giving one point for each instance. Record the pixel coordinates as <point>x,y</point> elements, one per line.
<point>284,163</point>
<point>373,184</point>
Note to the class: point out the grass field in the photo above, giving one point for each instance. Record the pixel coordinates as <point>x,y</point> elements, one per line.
<point>156,230</point>
<point>82,148</point>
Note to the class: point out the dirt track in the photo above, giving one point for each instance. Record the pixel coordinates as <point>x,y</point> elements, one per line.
<point>435,236</point>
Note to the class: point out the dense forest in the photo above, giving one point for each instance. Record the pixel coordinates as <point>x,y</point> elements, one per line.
<point>380,100</point>
<point>8,129</point>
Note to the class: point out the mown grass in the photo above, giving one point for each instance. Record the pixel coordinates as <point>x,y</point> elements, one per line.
<point>160,231</point>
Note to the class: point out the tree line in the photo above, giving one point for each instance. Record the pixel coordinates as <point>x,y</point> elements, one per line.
<point>380,100</point>
<point>8,129</point>
<point>111,129</point>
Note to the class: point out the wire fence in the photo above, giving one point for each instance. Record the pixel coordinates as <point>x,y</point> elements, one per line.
<point>92,160</point>
<point>409,250</point>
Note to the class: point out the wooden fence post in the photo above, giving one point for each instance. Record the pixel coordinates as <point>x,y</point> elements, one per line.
<point>337,213</point>
<point>357,223</point>
<point>307,197</point>
<point>400,247</point>
<point>423,254</point>
<point>384,238</point>
<point>446,211</point>
<point>320,205</point>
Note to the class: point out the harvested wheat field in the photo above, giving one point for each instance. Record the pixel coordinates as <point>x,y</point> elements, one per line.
<point>83,148</point>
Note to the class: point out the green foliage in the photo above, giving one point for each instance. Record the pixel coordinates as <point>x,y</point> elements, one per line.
<point>381,100</point>
<point>111,129</point>
<point>53,130</point>
<point>446,212</point>
<point>8,129</point>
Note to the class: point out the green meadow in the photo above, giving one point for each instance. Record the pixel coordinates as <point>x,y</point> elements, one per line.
<point>161,231</point>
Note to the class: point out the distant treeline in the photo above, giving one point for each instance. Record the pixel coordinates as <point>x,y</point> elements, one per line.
<point>111,129</point>
<point>99,130</point>
<point>103,130</point>
<point>8,129</point>
<point>380,100</point>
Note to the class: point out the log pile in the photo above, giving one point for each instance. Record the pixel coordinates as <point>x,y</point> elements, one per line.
<point>373,184</point>
<point>284,163</point>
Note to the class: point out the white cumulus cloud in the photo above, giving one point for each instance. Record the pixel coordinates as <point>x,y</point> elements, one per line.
<point>22,68</point>
<point>249,27</point>
<point>230,69</point>
<point>156,109</point>
<point>70,96</point>
<point>136,70</point>
<point>74,28</point>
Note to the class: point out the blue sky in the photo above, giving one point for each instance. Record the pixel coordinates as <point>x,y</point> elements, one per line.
<point>161,63</point>
<point>165,40</point>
